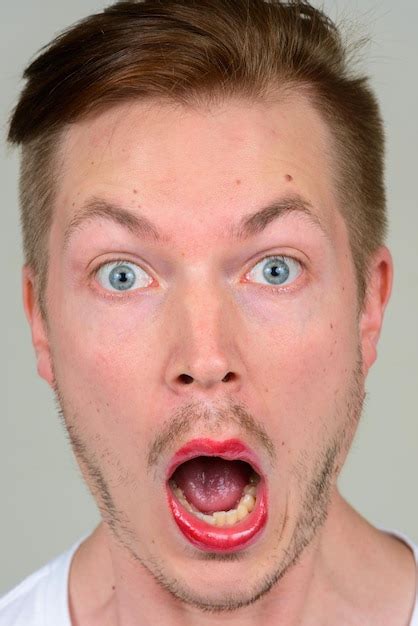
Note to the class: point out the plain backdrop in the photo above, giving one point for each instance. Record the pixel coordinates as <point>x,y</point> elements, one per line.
<point>44,505</point>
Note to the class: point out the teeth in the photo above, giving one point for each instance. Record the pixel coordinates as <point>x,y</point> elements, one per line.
<point>219,518</point>
<point>223,518</point>
<point>206,518</point>
<point>242,512</point>
<point>250,489</point>
<point>231,517</point>
<point>248,501</point>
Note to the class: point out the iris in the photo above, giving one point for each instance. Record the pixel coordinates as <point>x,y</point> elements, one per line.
<point>122,277</point>
<point>278,270</point>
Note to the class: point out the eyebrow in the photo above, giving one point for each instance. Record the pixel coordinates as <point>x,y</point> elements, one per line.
<point>140,226</point>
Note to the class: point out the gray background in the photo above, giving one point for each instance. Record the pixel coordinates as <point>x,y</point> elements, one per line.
<point>44,505</point>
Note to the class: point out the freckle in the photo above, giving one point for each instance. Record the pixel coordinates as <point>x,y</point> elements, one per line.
<point>331,326</point>
<point>289,178</point>
<point>282,443</point>
<point>113,587</point>
<point>238,181</point>
<point>135,190</point>
<point>92,162</point>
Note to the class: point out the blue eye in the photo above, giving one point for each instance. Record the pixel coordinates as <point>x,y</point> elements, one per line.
<point>277,270</point>
<point>121,276</point>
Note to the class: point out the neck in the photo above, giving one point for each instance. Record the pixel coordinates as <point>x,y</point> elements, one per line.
<point>340,572</point>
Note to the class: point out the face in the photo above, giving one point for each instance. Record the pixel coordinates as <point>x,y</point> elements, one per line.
<point>201,334</point>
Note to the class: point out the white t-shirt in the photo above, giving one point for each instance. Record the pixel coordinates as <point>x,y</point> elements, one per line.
<point>42,598</point>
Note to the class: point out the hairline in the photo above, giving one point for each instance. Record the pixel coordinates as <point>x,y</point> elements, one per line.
<point>55,141</point>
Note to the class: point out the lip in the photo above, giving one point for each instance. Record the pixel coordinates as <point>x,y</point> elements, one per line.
<point>231,450</point>
<point>201,534</point>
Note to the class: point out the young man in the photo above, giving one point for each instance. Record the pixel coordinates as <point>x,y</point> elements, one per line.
<point>204,219</point>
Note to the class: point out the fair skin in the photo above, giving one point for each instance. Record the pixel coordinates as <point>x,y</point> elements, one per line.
<point>297,357</point>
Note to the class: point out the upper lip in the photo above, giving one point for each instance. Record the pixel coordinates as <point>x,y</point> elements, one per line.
<point>230,449</point>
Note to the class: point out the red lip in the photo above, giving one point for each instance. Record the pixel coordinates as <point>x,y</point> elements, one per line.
<point>231,450</point>
<point>201,534</point>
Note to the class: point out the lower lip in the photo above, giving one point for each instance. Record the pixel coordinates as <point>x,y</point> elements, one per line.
<point>217,539</point>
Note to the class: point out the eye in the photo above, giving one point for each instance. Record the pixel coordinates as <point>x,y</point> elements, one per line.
<point>122,276</point>
<point>276,270</point>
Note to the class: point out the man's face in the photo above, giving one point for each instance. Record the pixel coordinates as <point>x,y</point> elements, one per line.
<point>201,334</point>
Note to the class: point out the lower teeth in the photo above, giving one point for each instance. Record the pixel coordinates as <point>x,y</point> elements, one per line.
<point>223,518</point>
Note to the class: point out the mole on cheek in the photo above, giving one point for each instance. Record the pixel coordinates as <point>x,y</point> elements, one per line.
<point>238,181</point>
<point>289,178</point>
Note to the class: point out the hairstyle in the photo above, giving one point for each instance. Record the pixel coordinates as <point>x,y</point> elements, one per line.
<point>197,52</point>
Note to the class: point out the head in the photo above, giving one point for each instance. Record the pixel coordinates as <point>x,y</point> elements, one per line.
<point>165,146</point>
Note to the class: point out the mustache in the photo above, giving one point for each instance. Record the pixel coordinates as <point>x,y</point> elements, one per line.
<point>211,420</point>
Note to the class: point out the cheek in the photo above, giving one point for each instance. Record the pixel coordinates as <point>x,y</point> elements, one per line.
<point>306,374</point>
<point>104,360</point>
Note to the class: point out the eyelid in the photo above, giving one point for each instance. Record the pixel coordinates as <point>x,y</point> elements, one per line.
<point>115,262</point>
<point>125,260</point>
<point>281,257</point>
<point>276,255</point>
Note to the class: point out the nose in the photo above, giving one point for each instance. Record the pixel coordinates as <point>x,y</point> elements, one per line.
<point>204,352</point>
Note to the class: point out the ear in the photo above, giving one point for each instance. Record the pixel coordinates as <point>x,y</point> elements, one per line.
<point>38,326</point>
<point>378,293</point>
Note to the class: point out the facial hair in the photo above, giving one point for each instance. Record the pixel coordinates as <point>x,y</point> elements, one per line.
<point>317,482</point>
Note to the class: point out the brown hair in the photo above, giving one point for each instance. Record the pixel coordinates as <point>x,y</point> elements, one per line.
<point>195,53</point>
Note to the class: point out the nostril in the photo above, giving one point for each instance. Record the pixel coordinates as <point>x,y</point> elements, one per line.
<point>186,379</point>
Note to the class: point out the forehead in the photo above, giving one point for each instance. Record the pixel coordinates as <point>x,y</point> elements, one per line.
<point>217,162</point>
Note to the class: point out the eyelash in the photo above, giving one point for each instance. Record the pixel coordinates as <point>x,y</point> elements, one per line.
<point>271,288</point>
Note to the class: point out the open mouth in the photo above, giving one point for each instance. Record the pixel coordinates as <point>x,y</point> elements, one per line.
<point>216,495</point>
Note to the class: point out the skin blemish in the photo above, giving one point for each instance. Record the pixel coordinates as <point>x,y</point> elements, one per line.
<point>289,178</point>
<point>238,181</point>
<point>135,191</point>
<point>331,326</point>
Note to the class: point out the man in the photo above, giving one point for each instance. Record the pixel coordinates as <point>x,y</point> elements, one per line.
<point>204,219</point>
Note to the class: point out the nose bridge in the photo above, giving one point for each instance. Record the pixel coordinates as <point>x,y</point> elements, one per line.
<point>204,350</point>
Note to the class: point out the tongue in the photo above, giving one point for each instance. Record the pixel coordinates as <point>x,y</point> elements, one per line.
<point>211,483</point>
